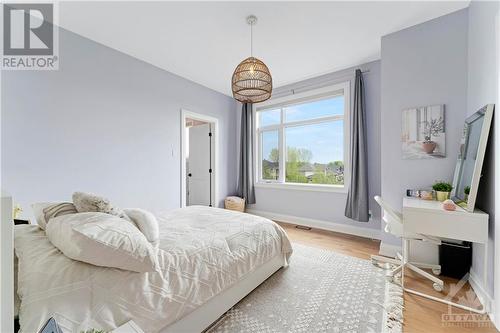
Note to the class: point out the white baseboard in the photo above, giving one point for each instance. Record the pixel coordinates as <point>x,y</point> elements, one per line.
<point>320,224</point>
<point>485,298</point>
<point>389,250</point>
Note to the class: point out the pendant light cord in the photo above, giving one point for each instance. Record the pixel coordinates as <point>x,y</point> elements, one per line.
<point>251,39</point>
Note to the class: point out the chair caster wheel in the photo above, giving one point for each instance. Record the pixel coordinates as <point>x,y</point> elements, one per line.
<point>436,271</point>
<point>389,278</point>
<point>374,262</point>
<point>437,287</point>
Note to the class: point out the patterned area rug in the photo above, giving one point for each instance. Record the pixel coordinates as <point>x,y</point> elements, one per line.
<point>320,291</point>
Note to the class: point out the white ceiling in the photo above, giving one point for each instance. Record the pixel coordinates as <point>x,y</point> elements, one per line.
<point>204,41</point>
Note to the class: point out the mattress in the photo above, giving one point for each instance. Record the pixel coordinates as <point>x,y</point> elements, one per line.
<point>202,252</point>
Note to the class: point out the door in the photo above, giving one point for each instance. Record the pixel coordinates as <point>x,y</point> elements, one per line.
<point>199,166</point>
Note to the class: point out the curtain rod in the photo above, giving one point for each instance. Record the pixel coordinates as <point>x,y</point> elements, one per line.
<point>317,85</point>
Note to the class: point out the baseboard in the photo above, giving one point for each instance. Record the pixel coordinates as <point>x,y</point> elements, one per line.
<point>485,298</point>
<point>389,250</point>
<point>319,224</point>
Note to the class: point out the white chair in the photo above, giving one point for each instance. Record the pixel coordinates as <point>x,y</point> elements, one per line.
<point>394,225</point>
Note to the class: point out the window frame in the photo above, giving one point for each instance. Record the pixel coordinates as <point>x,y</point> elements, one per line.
<point>304,97</point>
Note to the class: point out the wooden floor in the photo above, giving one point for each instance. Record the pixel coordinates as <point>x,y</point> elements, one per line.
<point>420,314</point>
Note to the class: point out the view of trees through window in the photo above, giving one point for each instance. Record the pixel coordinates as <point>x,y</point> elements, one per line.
<point>313,134</point>
<point>299,168</point>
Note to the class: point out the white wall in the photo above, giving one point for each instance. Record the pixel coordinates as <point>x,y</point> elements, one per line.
<point>422,65</point>
<point>107,123</point>
<point>482,89</point>
<point>326,206</point>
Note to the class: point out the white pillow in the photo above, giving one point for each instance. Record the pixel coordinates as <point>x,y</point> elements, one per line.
<point>103,240</point>
<point>44,211</point>
<point>146,222</point>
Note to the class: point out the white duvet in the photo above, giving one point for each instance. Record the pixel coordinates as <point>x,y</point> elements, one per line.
<point>202,252</point>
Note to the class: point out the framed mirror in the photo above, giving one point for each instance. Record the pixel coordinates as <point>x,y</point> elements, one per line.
<point>470,157</point>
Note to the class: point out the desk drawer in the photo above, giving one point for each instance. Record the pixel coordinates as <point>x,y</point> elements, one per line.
<point>464,226</point>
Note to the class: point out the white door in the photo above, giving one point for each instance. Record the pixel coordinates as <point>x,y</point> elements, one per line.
<point>199,166</point>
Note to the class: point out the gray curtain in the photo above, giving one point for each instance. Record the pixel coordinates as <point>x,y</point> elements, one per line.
<point>357,198</point>
<point>246,173</point>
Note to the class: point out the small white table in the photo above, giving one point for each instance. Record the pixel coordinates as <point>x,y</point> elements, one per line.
<point>429,218</point>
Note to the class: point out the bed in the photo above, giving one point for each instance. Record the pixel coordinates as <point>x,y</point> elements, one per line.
<point>210,258</point>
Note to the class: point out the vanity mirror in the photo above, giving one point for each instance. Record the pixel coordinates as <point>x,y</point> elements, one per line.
<point>470,157</point>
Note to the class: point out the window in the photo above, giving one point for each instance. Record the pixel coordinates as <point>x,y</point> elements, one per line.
<point>270,164</point>
<point>302,139</point>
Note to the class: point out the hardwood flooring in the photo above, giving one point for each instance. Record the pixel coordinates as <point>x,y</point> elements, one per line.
<point>420,314</point>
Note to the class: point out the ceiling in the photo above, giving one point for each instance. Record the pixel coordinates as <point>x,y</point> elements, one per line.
<point>204,41</point>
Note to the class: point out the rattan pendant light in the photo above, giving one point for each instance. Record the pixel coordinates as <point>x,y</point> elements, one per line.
<point>252,81</point>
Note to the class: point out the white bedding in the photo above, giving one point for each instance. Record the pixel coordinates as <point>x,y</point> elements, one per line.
<point>202,252</point>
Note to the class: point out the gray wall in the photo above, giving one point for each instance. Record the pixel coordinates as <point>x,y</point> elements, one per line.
<point>107,123</point>
<point>422,65</point>
<point>327,206</point>
<point>482,89</point>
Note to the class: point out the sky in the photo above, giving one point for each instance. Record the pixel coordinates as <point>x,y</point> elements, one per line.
<point>324,140</point>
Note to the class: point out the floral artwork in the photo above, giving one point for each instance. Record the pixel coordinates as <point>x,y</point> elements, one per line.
<point>423,132</point>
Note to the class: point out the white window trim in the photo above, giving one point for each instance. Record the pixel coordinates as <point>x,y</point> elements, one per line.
<point>292,99</point>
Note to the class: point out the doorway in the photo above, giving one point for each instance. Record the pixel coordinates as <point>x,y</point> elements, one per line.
<point>199,159</point>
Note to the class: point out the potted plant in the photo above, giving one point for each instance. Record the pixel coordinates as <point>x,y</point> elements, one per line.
<point>432,128</point>
<point>428,145</point>
<point>466,192</point>
<point>443,190</point>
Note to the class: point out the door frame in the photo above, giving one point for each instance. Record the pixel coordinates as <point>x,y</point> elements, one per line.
<point>185,114</point>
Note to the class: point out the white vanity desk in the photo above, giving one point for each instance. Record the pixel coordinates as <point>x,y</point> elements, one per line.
<point>429,218</point>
